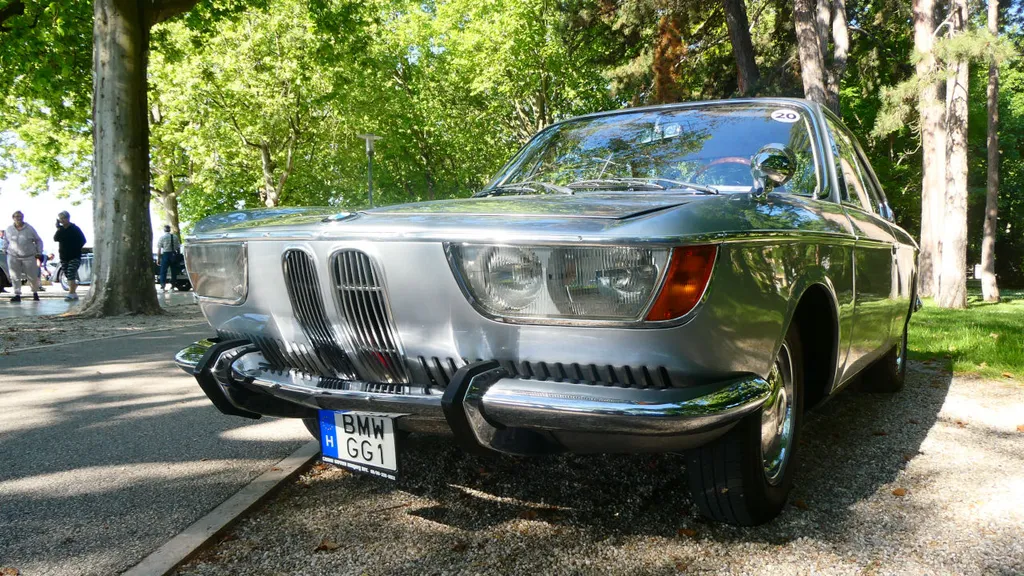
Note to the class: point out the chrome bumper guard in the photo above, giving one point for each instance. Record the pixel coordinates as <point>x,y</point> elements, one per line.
<point>482,405</point>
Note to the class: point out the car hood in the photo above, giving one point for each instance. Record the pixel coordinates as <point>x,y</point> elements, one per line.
<point>607,206</point>
<point>579,218</point>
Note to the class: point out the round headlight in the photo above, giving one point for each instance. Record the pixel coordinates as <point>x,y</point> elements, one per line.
<point>512,276</point>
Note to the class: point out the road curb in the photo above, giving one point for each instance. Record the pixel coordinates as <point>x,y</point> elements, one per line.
<point>187,543</point>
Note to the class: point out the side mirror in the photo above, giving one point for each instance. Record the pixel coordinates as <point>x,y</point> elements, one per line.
<point>773,165</point>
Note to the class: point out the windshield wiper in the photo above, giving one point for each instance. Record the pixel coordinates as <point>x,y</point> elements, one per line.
<point>532,186</point>
<point>643,183</point>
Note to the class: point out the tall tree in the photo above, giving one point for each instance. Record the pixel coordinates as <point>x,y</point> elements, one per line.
<point>821,69</point>
<point>989,287</point>
<point>122,271</point>
<point>747,73</point>
<point>933,147</point>
<point>953,274</point>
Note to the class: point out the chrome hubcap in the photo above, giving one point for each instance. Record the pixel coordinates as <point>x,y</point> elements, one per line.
<point>777,418</point>
<point>901,353</point>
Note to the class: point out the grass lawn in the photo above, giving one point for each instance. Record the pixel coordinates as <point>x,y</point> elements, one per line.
<point>985,339</point>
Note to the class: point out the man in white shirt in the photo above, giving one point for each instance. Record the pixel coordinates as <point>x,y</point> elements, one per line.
<point>167,250</point>
<point>23,247</point>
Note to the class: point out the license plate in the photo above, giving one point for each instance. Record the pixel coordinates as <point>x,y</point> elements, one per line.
<point>360,441</point>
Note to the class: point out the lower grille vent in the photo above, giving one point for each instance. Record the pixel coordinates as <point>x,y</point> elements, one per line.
<point>621,376</point>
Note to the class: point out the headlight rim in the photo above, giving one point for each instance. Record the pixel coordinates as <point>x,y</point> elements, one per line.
<point>244,247</point>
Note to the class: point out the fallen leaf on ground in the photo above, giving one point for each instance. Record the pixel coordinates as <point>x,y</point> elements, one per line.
<point>8,571</point>
<point>960,424</point>
<point>275,469</point>
<point>1007,375</point>
<point>908,457</point>
<point>326,545</point>
<point>688,532</point>
<point>1020,428</point>
<point>879,433</point>
<point>914,421</point>
<point>681,566</point>
<point>899,492</point>
<point>993,335</point>
<point>800,504</point>
<point>528,514</point>
<point>459,547</point>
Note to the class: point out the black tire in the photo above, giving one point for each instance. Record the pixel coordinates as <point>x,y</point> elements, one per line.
<point>313,425</point>
<point>728,478</point>
<point>888,373</point>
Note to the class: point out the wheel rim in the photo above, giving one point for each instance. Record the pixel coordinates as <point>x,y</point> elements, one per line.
<point>777,418</point>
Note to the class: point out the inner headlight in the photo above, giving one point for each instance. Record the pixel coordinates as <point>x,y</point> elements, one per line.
<point>218,270</point>
<point>613,283</point>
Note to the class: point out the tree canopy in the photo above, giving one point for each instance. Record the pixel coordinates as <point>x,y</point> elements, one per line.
<point>260,103</point>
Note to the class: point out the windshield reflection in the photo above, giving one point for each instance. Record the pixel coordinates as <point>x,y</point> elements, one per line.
<point>706,145</point>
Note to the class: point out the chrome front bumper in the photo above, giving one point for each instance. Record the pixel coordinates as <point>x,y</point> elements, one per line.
<point>482,405</point>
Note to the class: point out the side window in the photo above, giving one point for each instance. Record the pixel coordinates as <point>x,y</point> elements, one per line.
<point>853,185</point>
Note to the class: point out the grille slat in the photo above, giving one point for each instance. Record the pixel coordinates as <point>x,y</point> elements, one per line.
<point>367,318</point>
<point>304,292</point>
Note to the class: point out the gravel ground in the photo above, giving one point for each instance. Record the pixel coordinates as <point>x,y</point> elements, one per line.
<point>928,481</point>
<point>31,331</point>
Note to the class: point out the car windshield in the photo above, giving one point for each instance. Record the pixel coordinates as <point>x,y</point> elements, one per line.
<point>708,146</point>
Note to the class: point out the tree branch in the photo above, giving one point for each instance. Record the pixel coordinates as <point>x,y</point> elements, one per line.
<point>161,10</point>
<point>15,8</point>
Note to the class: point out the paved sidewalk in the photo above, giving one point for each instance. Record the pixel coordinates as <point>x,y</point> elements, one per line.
<point>107,450</point>
<point>52,302</point>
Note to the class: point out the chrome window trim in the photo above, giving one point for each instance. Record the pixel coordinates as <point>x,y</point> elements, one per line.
<point>638,322</point>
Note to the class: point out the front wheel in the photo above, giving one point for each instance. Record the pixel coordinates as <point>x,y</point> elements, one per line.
<point>313,425</point>
<point>744,477</point>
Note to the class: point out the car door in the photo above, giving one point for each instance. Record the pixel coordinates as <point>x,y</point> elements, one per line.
<point>873,257</point>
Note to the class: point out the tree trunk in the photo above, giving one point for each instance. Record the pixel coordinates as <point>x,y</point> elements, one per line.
<point>668,50</point>
<point>953,275</point>
<point>123,266</point>
<point>989,288</point>
<point>840,53</point>
<point>812,59</point>
<point>168,196</point>
<point>270,194</point>
<point>933,150</point>
<point>747,73</point>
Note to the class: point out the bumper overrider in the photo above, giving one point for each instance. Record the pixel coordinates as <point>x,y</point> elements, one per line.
<point>485,408</point>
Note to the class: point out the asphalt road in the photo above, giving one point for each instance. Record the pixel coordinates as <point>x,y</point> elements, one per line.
<point>107,450</point>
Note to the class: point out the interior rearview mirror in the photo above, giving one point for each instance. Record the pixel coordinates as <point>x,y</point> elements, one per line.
<point>773,165</point>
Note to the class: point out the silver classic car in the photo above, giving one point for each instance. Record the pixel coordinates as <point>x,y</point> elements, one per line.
<point>688,278</point>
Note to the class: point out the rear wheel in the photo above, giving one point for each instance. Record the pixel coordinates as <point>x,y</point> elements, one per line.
<point>745,476</point>
<point>889,373</point>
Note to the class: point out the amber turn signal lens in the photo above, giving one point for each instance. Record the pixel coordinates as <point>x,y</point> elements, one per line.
<point>688,274</point>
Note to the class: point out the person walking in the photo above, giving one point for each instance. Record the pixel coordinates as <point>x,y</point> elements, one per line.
<point>167,250</point>
<point>5,276</point>
<point>70,239</point>
<point>23,247</point>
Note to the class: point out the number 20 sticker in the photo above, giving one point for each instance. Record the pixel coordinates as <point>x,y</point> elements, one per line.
<point>787,116</point>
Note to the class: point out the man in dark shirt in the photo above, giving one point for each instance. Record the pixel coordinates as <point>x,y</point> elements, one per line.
<point>71,240</point>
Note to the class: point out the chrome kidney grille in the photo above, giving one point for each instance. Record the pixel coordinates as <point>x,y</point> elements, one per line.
<point>308,306</point>
<point>362,303</point>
